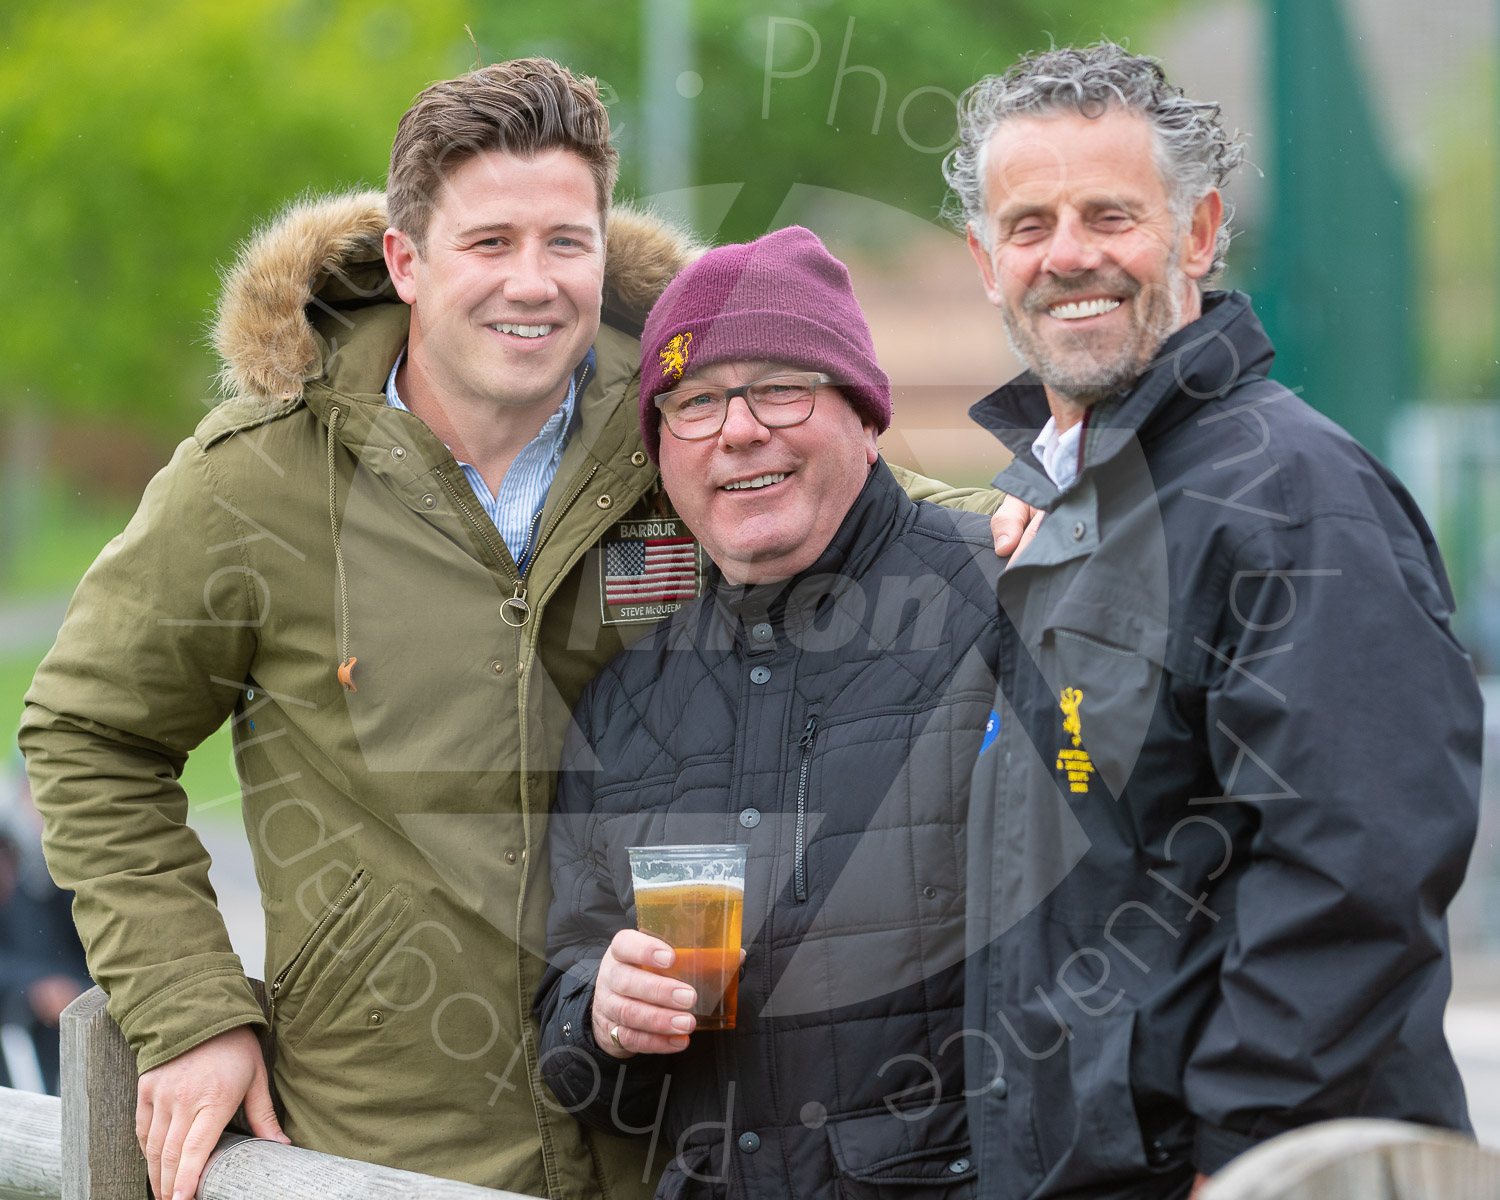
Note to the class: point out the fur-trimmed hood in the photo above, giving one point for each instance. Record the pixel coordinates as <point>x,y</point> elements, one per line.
<point>328,250</point>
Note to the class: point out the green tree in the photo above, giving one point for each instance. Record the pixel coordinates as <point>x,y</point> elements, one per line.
<point>139,143</point>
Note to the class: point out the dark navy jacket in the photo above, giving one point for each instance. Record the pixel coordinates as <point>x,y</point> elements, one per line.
<point>830,723</point>
<point>1234,789</point>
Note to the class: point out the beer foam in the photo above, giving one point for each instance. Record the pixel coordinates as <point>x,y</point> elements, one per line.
<point>728,885</point>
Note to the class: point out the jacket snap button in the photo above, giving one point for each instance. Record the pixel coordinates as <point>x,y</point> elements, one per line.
<point>814,1115</point>
<point>567,1029</point>
<point>930,892</point>
<point>1079,530</point>
<point>497,667</point>
<point>760,674</point>
<point>959,1165</point>
<point>604,501</point>
<point>749,1142</point>
<point>761,632</point>
<point>750,818</point>
<point>398,452</point>
<point>429,500</point>
<point>638,459</point>
<point>510,856</point>
<point>376,1017</point>
<point>999,1087</point>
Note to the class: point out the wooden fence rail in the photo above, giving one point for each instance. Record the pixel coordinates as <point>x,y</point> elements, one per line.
<point>30,1146</point>
<point>251,1169</point>
<point>83,1147</point>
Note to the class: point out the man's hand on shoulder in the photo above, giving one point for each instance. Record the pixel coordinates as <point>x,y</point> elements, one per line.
<point>183,1105</point>
<point>1014,525</point>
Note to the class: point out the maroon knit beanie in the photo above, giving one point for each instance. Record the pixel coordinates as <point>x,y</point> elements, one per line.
<point>782,298</point>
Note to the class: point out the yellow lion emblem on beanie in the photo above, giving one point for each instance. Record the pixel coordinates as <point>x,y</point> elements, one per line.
<point>674,357</point>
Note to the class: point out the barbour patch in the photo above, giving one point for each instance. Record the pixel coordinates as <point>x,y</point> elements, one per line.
<point>648,569</point>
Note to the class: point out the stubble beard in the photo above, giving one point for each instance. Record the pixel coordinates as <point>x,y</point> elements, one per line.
<point>1083,372</point>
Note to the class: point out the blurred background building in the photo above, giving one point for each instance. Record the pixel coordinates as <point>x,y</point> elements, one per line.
<point>140,144</point>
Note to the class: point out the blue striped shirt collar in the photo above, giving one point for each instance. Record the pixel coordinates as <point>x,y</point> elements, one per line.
<point>515,507</point>
<point>555,430</point>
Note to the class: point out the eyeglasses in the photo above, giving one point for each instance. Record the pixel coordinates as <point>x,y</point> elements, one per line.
<point>777,402</point>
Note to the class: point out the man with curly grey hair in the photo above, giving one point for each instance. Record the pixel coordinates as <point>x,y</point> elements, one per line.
<point>1231,780</point>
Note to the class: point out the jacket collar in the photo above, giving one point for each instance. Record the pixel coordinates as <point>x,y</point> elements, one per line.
<point>877,516</point>
<point>1199,363</point>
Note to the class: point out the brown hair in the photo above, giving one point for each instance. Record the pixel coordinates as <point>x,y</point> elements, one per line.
<point>522,107</point>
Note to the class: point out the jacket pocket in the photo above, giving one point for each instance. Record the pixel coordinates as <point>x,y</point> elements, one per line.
<point>344,938</point>
<point>1105,677</point>
<point>1083,1112</point>
<point>696,1173</point>
<point>905,1157</point>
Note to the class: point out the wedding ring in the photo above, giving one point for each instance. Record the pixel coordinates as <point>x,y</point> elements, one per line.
<point>614,1036</point>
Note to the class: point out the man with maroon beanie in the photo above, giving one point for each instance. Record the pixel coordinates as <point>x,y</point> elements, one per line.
<point>821,703</point>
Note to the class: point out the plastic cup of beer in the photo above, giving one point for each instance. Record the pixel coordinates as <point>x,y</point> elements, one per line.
<point>693,898</point>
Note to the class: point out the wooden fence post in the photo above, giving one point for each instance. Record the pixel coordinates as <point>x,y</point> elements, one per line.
<point>101,1160</point>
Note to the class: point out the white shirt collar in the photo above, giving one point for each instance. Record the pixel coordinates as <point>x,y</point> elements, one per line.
<point>1058,452</point>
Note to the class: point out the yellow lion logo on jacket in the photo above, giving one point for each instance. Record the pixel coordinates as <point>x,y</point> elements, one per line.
<point>1072,723</point>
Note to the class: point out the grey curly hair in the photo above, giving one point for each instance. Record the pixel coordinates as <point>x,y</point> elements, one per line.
<point>1194,153</point>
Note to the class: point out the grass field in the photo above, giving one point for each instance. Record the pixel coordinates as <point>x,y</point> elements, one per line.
<point>63,541</point>
<point>65,534</point>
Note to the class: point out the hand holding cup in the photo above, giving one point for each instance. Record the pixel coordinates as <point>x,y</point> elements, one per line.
<point>636,1011</point>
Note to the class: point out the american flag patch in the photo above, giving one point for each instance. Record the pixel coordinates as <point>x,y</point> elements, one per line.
<point>650,570</point>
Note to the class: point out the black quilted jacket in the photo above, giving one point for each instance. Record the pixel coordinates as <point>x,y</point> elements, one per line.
<point>831,723</point>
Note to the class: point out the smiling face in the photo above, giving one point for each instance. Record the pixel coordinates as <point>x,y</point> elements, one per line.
<point>505,300</point>
<point>1085,260</point>
<point>765,503</point>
